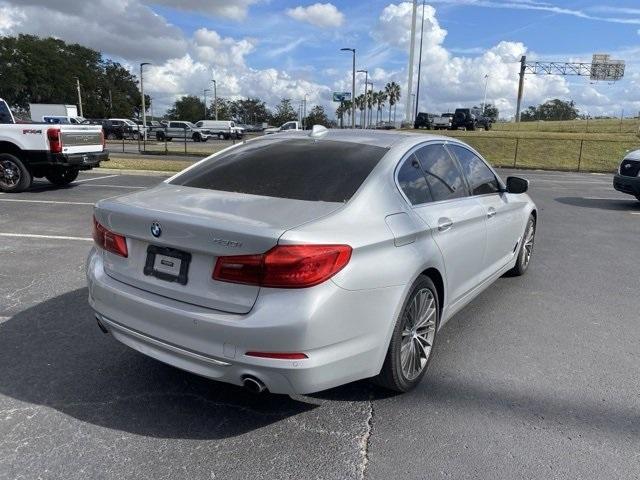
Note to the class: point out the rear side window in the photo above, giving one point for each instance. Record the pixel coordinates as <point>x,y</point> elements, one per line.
<point>413,183</point>
<point>481,178</point>
<point>442,173</point>
<point>301,169</point>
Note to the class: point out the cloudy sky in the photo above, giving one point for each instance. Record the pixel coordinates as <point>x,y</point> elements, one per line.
<point>285,49</point>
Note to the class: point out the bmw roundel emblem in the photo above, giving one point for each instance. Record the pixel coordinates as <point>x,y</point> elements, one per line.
<point>156,229</point>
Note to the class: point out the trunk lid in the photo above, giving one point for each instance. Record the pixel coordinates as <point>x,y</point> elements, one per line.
<point>205,224</point>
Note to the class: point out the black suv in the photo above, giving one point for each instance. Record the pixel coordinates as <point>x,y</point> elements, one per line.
<point>627,180</point>
<point>470,119</point>
<point>424,120</point>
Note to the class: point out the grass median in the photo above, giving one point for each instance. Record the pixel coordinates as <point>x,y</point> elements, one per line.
<point>137,163</point>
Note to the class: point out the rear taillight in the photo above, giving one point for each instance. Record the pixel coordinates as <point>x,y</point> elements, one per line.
<point>108,240</point>
<point>55,141</point>
<point>284,266</point>
<point>103,141</point>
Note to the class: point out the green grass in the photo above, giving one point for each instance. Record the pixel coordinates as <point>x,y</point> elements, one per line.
<point>595,152</point>
<point>612,125</point>
<point>136,163</point>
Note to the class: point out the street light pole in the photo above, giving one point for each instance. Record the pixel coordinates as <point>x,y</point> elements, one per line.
<point>415,114</point>
<point>79,96</point>
<point>366,81</point>
<point>215,97</point>
<point>484,102</point>
<point>205,102</point>
<point>144,107</point>
<point>353,86</point>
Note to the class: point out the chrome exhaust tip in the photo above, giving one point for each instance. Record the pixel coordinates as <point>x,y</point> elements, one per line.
<point>253,385</point>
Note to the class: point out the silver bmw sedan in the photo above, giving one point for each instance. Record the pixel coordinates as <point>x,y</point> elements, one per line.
<point>301,261</point>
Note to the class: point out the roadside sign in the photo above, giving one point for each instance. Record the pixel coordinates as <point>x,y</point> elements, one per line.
<point>341,96</point>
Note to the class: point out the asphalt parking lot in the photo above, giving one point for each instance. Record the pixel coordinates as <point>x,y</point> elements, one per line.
<point>536,378</point>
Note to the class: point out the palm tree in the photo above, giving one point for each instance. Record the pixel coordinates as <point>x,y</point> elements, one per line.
<point>346,105</point>
<point>381,97</point>
<point>392,90</point>
<point>359,101</point>
<point>370,103</point>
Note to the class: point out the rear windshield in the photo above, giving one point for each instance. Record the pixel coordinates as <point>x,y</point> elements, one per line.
<point>301,169</point>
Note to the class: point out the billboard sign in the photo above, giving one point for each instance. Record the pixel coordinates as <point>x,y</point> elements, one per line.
<point>341,96</point>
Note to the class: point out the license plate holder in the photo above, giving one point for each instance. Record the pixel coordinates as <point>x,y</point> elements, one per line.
<point>167,264</point>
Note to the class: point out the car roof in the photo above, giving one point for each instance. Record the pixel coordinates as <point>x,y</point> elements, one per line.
<point>377,138</point>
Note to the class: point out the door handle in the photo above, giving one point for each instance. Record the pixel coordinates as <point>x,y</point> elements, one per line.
<point>444,224</point>
<point>491,212</point>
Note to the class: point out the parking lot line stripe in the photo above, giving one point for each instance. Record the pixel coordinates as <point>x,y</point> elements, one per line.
<point>110,186</point>
<point>51,237</point>
<point>634,213</point>
<point>96,178</point>
<point>606,198</point>
<point>19,200</point>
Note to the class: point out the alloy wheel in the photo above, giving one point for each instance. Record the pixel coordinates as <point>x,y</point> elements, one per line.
<point>10,174</point>
<point>418,333</point>
<point>528,243</point>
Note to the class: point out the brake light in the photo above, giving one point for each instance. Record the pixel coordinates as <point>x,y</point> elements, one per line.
<point>103,141</point>
<point>55,141</point>
<point>279,356</point>
<point>108,240</point>
<point>284,266</point>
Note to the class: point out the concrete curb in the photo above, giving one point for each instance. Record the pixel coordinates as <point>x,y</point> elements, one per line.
<point>124,171</point>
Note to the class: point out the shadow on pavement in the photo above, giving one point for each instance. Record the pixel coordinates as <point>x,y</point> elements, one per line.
<point>602,204</point>
<point>54,355</point>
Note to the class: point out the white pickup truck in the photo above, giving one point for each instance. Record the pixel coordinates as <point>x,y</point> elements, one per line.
<point>56,152</point>
<point>293,125</point>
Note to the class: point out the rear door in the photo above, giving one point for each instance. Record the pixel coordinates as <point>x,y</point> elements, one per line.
<point>457,220</point>
<point>504,224</point>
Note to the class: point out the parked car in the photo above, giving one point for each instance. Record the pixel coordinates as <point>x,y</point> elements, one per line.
<point>255,128</point>
<point>298,262</point>
<point>115,129</point>
<point>222,129</point>
<point>283,128</point>
<point>424,120</point>
<point>40,110</point>
<point>443,122</point>
<point>57,152</point>
<point>130,128</point>
<point>385,126</point>
<point>627,180</point>
<point>182,130</point>
<point>470,119</point>
<point>58,119</point>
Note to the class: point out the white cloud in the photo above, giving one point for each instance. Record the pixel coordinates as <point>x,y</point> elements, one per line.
<point>211,48</point>
<point>319,14</point>
<point>9,19</point>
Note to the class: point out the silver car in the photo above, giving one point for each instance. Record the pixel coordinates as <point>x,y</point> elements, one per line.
<point>302,261</point>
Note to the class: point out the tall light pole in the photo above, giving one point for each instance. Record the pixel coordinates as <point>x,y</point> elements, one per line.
<point>411,53</point>
<point>305,110</point>
<point>484,102</point>
<point>353,86</point>
<point>419,64</point>
<point>79,95</point>
<point>366,80</point>
<point>144,107</point>
<point>205,101</point>
<point>215,97</point>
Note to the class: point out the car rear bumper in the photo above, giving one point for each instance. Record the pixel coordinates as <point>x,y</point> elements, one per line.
<point>84,161</point>
<point>629,185</point>
<point>344,333</point>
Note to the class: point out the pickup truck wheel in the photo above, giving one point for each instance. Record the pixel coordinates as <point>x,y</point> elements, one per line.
<point>135,135</point>
<point>62,176</point>
<point>196,137</point>
<point>14,176</point>
<point>221,136</point>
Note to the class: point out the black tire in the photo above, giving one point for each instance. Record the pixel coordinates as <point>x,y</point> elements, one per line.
<point>62,176</point>
<point>112,136</point>
<point>526,251</point>
<point>169,139</point>
<point>14,175</point>
<point>471,127</point>
<point>221,136</point>
<point>196,137</point>
<point>160,136</point>
<point>392,375</point>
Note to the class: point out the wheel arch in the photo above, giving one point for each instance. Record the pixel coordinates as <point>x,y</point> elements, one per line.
<point>12,148</point>
<point>438,280</point>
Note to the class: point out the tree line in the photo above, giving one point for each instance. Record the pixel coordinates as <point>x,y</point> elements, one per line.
<point>46,70</point>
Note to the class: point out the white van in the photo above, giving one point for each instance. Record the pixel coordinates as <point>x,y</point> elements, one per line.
<point>223,129</point>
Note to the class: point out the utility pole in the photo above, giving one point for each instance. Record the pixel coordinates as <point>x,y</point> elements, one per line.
<point>419,63</point>
<point>523,66</point>
<point>366,81</point>
<point>353,86</point>
<point>144,107</point>
<point>305,110</point>
<point>79,96</point>
<point>484,102</point>
<point>205,102</point>
<point>215,97</point>
<point>411,54</point>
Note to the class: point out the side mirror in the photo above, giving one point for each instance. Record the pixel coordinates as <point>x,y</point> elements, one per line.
<point>517,185</point>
